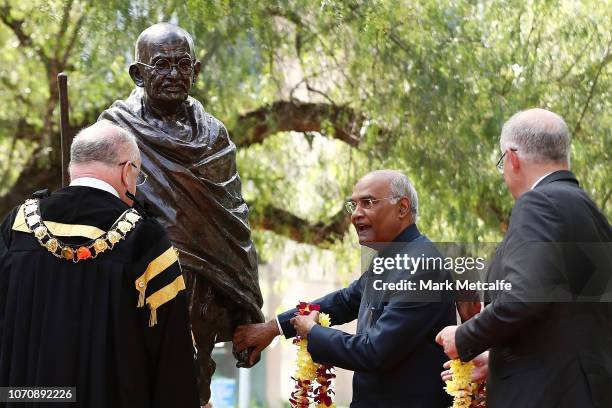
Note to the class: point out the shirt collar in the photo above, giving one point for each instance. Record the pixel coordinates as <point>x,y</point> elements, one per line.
<point>540,179</point>
<point>410,233</point>
<point>95,183</point>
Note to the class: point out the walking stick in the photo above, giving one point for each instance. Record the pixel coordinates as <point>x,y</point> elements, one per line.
<point>65,139</point>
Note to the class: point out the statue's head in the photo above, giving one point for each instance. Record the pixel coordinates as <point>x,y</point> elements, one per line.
<point>165,65</point>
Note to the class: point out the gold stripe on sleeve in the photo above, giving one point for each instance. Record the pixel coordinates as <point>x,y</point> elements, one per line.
<point>155,267</point>
<point>164,295</point>
<point>59,229</point>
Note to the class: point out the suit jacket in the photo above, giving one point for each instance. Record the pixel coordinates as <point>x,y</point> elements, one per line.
<point>548,347</point>
<point>393,354</point>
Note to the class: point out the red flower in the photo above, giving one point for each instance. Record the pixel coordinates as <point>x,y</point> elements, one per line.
<point>304,308</point>
<point>83,253</point>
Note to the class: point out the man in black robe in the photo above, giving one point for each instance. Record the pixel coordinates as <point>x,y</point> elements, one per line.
<point>194,188</point>
<point>91,290</point>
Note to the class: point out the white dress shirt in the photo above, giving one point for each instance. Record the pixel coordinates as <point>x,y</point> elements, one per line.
<point>95,183</point>
<point>540,179</point>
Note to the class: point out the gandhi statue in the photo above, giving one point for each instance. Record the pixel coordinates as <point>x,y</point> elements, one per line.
<point>194,189</point>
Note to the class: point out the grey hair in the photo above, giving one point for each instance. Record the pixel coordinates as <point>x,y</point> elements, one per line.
<point>540,136</point>
<point>102,142</point>
<point>401,186</point>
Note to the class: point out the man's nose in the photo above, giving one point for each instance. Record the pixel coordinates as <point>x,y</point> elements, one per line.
<point>357,214</point>
<point>174,72</point>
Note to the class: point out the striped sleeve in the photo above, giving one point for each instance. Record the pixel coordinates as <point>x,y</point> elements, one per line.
<point>160,278</point>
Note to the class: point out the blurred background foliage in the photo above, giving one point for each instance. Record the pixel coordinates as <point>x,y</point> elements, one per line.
<point>317,93</point>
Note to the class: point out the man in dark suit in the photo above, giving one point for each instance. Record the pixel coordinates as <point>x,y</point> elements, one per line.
<point>548,346</point>
<point>394,354</point>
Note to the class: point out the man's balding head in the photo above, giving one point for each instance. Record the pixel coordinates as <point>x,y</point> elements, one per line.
<point>392,202</point>
<point>106,152</point>
<point>534,143</point>
<point>539,135</point>
<point>166,67</point>
<point>103,142</point>
<point>162,35</point>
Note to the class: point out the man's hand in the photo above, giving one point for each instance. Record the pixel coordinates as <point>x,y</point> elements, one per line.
<point>303,324</point>
<point>446,338</point>
<point>258,335</point>
<point>467,310</point>
<point>480,372</point>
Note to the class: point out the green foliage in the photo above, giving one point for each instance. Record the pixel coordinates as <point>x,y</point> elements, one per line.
<point>435,80</point>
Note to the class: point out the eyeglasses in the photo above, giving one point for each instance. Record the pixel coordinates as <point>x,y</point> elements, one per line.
<point>141,176</point>
<point>366,203</point>
<point>164,67</point>
<point>500,162</point>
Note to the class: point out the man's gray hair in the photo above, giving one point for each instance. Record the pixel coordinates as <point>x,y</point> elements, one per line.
<point>401,186</point>
<point>540,136</point>
<point>102,142</point>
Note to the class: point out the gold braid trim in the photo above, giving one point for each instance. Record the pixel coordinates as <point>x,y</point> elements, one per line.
<point>162,296</point>
<point>155,267</point>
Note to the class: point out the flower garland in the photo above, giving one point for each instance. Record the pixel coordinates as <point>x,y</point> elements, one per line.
<point>308,371</point>
<point>465,393</point>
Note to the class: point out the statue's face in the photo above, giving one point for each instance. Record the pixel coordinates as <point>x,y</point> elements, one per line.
<point>167,87</point>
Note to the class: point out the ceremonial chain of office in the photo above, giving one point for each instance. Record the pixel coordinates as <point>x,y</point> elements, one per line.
<point>75,253</point>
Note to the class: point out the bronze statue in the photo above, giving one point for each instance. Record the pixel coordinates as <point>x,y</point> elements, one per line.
<point>194,188</point>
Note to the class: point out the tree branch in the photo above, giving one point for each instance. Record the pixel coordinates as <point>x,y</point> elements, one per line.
<point>605,60</point>
<point>72,41</point>
<point>63,25</point>
<point>35,176</point>
<point>283,116</point>
<point>281,222</point>
<point>257,125</point>
<point>604,202</point>
<point>16,26</point>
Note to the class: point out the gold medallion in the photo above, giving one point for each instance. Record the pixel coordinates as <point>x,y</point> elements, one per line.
<point>132,217</point>
<point>100,245</point>
<point>67,253</point>
<point>114,237</point>
<point>52,245</point>
<point>124,226</point>
<point>40,232</point>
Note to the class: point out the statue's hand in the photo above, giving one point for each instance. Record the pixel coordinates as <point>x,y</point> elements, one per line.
<point>256,336</point>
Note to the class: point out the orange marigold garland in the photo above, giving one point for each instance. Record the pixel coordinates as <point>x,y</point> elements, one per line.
<point>308,372</point>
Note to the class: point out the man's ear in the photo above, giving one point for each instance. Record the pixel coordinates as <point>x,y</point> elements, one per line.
<point>134,71</point>
<point>197,66</point>
<point>404,207</point>
<point>124,174</point>
<point>514,160</point>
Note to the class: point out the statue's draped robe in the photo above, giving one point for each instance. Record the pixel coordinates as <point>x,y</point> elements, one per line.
<point>195,190</point>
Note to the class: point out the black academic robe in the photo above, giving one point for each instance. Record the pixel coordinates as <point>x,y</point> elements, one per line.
<point>79,324</point>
